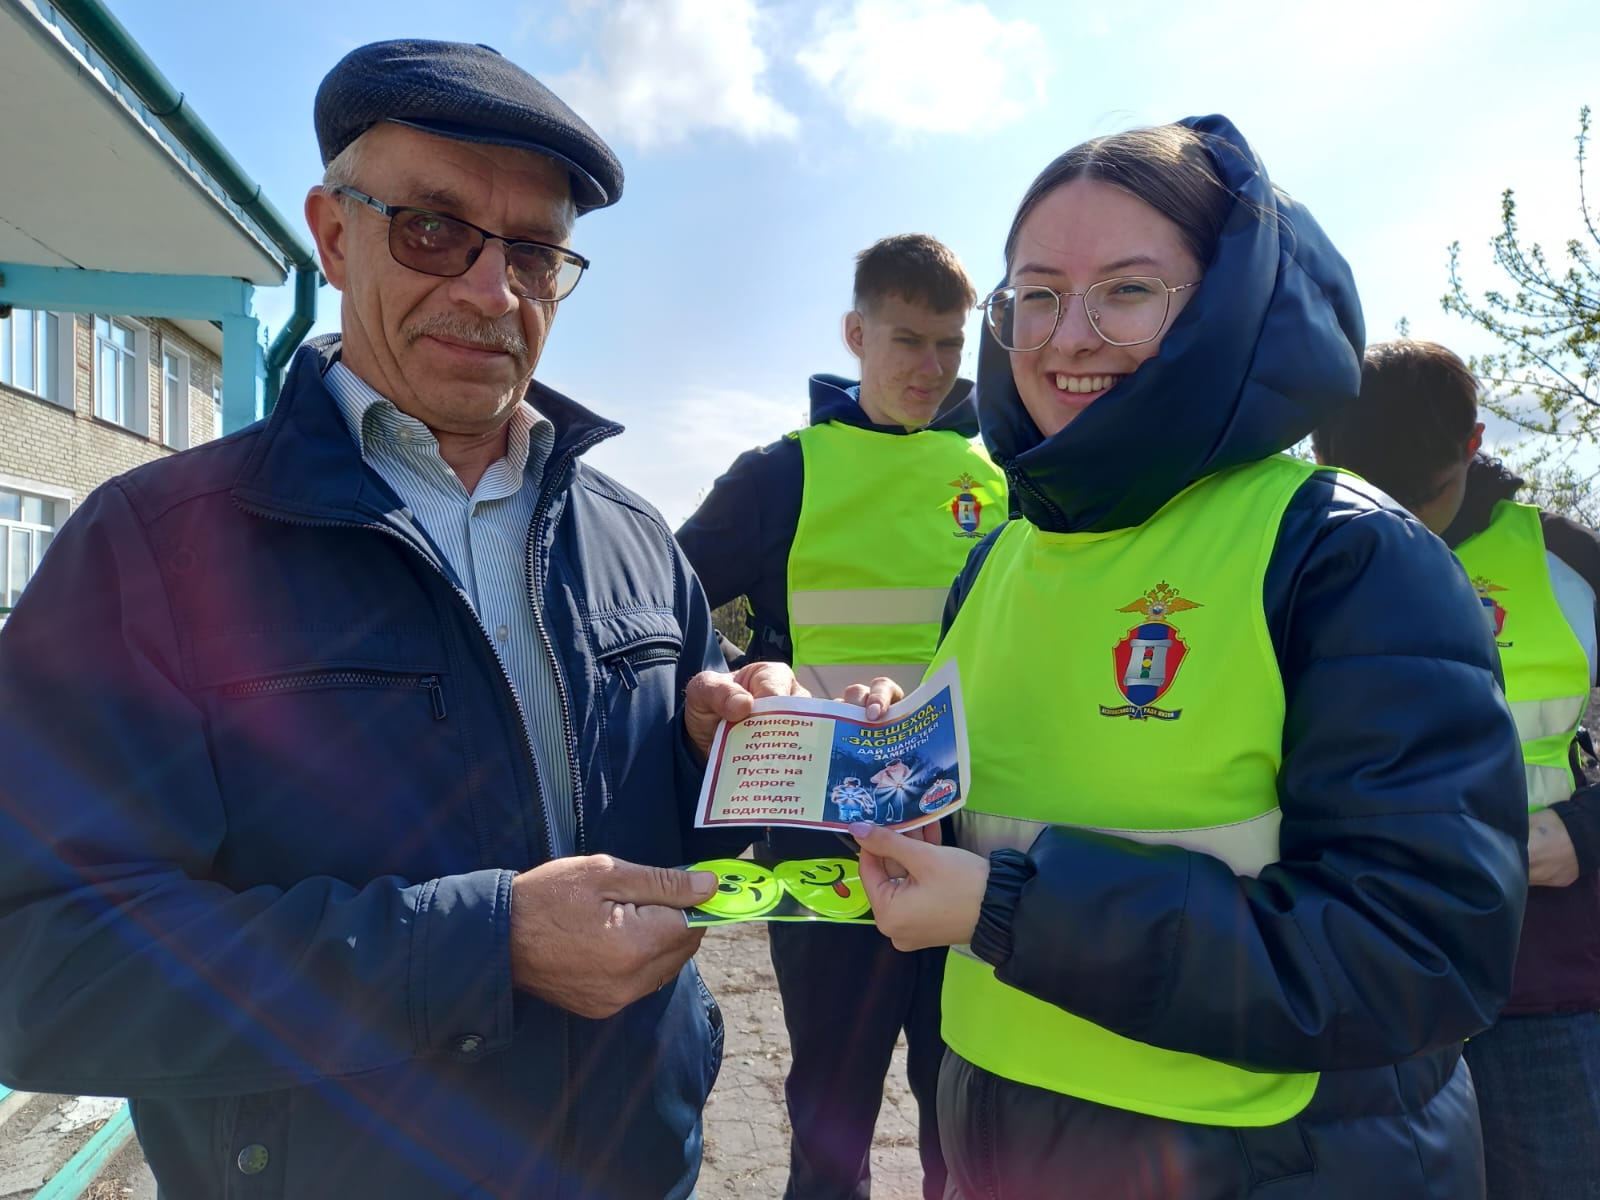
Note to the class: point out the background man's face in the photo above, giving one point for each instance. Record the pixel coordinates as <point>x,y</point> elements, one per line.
<point>456,354</point>
<point>909,357</point>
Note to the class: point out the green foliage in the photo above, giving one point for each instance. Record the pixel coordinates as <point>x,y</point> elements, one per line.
<point>1556,480</point>
<point>1548,323</point>
<point>730,620</point>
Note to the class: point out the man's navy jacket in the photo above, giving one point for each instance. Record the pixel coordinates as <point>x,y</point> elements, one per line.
<point>265,790</point>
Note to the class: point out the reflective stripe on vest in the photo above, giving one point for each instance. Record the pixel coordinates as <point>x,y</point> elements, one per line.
<point>886,523</point>
<point>1545,668</point>
<point>882,606</point>
<point>1125,682</point>
<point>1246,846</point>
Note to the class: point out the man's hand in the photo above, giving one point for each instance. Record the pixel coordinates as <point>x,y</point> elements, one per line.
<point>876,697</point>
<point>714,696</point>
<point>592,934</point>
<point>1552,859</point>
<point>923,894</point>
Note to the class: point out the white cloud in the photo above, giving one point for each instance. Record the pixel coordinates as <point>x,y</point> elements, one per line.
<point>940,66</point>
<point>680,441</point>
<point>666,69</point>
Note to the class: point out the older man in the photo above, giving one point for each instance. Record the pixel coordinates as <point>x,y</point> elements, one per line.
<point>334,750</point>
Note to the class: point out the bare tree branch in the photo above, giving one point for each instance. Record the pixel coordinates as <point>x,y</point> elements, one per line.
<point>1548,322</point>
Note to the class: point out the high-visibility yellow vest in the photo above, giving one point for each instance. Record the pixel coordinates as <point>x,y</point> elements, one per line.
<point>1546,670</point>
<point>1125,682</point>
<point>886,522</point>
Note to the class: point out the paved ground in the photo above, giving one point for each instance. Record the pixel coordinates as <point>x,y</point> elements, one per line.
<point>747,1130</point>
<point>38,1134</point>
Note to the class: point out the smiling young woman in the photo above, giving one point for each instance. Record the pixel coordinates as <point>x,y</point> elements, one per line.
<point>1241,861</point>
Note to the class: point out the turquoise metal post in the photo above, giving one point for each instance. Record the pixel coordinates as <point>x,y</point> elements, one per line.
<point>241,358</point>
<point>283,346</point>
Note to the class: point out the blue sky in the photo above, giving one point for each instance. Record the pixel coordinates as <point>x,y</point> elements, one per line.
<point>766,141</point>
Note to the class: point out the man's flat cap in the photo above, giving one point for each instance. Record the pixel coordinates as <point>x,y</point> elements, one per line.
<point>470,93</point>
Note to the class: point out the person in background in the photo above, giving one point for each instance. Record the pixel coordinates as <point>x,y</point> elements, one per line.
<point>845,537</point>
<point>1415,433</point>
<point>1242,862</point>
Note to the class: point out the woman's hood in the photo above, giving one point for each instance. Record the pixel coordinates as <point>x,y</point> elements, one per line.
<point>1267,349</point>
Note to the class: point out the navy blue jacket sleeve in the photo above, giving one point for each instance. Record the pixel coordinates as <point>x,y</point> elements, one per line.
<point>1581,816</point>
<point>1390,923</point>
<point>124,967</point>
<point>738,540</point>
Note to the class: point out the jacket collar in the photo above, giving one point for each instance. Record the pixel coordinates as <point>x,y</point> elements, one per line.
<point>835,398</point>
<point>304,463</point>
<point>1488,483</point>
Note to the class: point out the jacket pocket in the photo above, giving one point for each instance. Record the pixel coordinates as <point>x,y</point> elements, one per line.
<point>628,664</point>
<point>317,680</point>
<point>307,681</point>
<point>628,741</point>
<point>1275,1153</point>
<point>347,769</point>
<point>631,645</point>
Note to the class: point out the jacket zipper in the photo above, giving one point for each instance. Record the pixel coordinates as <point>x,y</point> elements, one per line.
<point>1018,482</point>
<point>626,662</point>
<point>505,679</point>
<point>532,571</point>
<point>296,683</point>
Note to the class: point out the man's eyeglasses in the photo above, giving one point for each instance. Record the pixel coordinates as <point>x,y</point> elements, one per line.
<point>436,244</point>
<point>1125,311</point>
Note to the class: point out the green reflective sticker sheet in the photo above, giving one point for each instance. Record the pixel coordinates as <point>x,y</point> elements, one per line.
<point>802,889</point>
<point>745,890</point>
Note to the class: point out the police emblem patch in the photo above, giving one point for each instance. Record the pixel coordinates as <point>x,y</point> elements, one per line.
<point>1148,657</point>
<point>1493,612</point>
<point>966,508</point>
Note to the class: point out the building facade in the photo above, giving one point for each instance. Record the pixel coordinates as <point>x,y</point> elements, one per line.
<point>84,397</point>
<point>131,246</point>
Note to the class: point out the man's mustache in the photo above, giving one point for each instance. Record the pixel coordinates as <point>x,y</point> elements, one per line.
<point>459,329</point>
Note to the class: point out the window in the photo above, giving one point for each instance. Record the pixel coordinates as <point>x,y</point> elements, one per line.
<point>30,351</point>
<point>175,399</point>
<point>116,375</point>
<point>216,405</point>
<point>27,523</point>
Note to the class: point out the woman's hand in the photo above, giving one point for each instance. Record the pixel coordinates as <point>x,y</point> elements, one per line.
<point>923,894</point>
<point>1552,858</point>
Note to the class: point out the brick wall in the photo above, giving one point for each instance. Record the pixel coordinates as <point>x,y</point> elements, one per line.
<point>48,444</point>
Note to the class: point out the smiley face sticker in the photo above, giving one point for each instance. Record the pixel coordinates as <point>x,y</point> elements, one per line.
<point>745,890</point>
<point>829,887</point>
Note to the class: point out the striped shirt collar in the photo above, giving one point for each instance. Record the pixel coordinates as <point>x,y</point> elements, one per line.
<point>374,420</point>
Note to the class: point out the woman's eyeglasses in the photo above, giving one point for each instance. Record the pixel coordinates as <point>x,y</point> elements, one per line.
<point>1125,311</point>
